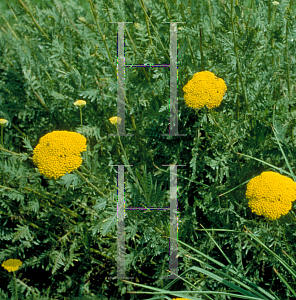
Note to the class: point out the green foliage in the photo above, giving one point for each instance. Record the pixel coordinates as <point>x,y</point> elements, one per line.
<point>53,53</point>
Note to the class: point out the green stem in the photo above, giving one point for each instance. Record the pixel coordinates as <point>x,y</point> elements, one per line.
<point>15,286</point>
<point>2,155</point>
<point>14,153</point>
<point>19,130</point>
<point>237,99</point>
<point>11,10</point>
<point>10,27</point>
<point>93,186</point>
<point>80,115</point>
<point>40,100</point>
<point>2,136</point>
<point>3,168</point>
<point>238,66</point>
<point>167,9</point>
<point>27,10</point>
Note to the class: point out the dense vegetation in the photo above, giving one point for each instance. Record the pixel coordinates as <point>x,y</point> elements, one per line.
<point>64,230</point>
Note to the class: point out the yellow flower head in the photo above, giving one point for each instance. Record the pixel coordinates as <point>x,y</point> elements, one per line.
<point>12,265</point>
<point>275,3</point>
<point>204,89</point>
<point>3,121</point>
<point>80,103</point>
<point>59,152</point>
<point>180,299</point>
<point>115,120</point>
<point>271,194</point>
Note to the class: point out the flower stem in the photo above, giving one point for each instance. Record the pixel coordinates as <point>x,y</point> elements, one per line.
<point>80,115</point>
<point>15,286</point>
<point>14,153</point>
<point>2,144</point>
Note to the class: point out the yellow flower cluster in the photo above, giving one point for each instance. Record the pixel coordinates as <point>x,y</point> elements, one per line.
<point>204,89</point>
<point>12,265</point>
<point>3,121</point>
<point>180,299</point>
<point>271,194</point>
<point>80,103</point>
<point>115,120</point>
<point>59,152</point>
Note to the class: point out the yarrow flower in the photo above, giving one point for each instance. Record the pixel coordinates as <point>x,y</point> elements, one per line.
<point>3,121</point>
<point>115,120</point>
<point>80,103</point>
<point>12,265</point>
<point>275,3</point>
<point>204,89</point>
<point>180,299</point>
<point>271,194</point>
<point>59,152</point>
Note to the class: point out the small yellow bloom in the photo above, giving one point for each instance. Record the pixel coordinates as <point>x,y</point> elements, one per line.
<point>80,103</point>
<point>115,120</point>
<point>3,121</point>
<point>275,3</point>
<point>138,26</point>
<point>180,299</point>
<point>271,194</point>
<point>204,89</point>
<point>12,265</point>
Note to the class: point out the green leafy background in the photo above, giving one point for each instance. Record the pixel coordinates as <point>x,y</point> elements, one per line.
<point>53,53</point>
